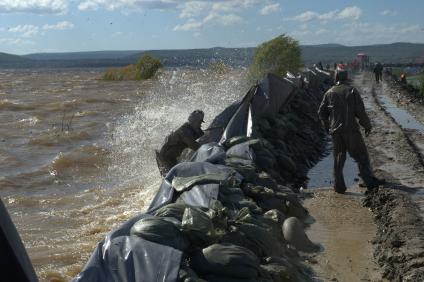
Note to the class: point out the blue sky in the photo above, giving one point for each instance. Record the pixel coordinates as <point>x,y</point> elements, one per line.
<point>29,26</point>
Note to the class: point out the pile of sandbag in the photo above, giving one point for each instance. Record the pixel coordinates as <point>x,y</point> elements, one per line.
<point>232,212</point>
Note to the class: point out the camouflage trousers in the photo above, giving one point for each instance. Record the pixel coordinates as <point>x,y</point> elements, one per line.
<point>352,143</point>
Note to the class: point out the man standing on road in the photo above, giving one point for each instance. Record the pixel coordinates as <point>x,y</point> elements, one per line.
<point>339,109</point>
<point>180,139</point>
<point>378,71</point>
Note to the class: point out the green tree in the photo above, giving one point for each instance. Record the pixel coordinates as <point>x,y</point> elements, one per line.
<point>147,67</point>
<point>276,56</point>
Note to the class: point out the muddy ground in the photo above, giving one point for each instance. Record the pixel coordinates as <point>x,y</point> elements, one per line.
<point>379,236</point>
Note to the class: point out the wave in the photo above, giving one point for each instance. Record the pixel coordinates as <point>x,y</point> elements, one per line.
<point>56,138</point>
<point>6,104</point>
<point>79,162</point>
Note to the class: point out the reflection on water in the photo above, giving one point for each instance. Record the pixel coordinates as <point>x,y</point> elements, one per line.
<point>402,117</point>
<point>321,175</point>
<point>77,153</point>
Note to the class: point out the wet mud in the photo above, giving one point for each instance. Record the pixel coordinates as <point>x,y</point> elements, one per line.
<point>345,229</point>
<point>396,155</point>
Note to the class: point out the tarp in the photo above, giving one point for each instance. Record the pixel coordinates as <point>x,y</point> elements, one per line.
<point>167,194</point>
<point>120,257</point>
<point>264,100</point>
<point>211,153</point>
<point>15,263</point>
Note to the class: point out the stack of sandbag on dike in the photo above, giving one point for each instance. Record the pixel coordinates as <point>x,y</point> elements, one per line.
<point>231,212</point>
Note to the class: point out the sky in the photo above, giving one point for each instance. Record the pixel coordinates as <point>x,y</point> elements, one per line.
<point>33,26</point>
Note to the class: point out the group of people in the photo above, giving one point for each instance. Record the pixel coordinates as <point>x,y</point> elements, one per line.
<point>340,111</point>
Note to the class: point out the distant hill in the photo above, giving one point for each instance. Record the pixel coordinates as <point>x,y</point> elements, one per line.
<point>201,57</point>
<point>95,55</point>
<point>4,57</point>
<point>397,53</point>
<point>385,53</point>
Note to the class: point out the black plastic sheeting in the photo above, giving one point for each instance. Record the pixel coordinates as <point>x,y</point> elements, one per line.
<point>15,263</point>
<point>122,257</point>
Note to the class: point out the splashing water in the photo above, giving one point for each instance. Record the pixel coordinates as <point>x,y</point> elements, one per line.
<point>164,108</point>
<point>115,160</point>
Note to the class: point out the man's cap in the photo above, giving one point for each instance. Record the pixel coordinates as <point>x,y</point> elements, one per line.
<point>341,75</point>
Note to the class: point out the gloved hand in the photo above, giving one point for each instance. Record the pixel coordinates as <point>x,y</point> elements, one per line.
<point>367,131</point>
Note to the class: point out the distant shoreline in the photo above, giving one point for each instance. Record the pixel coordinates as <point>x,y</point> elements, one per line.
<point>396,53</point>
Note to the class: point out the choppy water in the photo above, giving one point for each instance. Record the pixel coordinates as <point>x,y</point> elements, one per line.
<point>77,152</point>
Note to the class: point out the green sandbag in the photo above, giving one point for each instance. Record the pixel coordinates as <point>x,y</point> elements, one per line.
<point>160,231</point>
<point>236,140</point>
<point>226,260</point>
<point>186,274</point>
<point>260,237</point>
<point>184,183</point>
<point>198,227</point>
<point>174,210</point>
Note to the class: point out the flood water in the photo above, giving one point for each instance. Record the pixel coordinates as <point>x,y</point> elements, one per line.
<point>402,117</point>
<point>321,175</point>
<point>77,153</point>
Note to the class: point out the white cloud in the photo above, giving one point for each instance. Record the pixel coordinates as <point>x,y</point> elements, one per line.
<point>228,19</point>
<point>351,13</point>
<point>26,30</point>
<point>193,9</point>
<point>59,26</point>
<point>14,41</point>
<point>271,8</point>
<point>233,5</point>
<point>305,16</point>
<point>128,4</point>
<point>211,18</point>
<point>190,25</point>
<point>388,13</point>
<point>33,6</point>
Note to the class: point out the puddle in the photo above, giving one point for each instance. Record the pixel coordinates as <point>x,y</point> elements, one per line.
<point>344,229</point>
<point>321,175</point>
<point>402,117</point>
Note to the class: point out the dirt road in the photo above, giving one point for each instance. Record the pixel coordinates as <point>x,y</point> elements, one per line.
<point>354,244</point>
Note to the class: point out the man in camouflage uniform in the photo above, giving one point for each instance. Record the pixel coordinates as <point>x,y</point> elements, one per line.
<point>339,109</point>
<point>180,139</point>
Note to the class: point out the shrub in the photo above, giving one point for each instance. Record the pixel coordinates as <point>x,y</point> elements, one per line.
<point>276,56</point>
<point>146,68</point>
<point>219,67</point>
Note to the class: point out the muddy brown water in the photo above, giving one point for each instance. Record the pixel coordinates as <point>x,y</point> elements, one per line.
<point>344,229</point>
<point>77,153</point>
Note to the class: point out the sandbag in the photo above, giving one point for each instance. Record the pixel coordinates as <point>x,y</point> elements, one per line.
<point>185,183</point>
<point>236,140</point>
<point>186,274</point>
<point>259,236</point>
<point>226,260</point>
<point>210,152</point>
<point>242,150</point>
<point>171,210</point>
<point>295,235</point>
<point>160,231</point>
<point>198,226</point>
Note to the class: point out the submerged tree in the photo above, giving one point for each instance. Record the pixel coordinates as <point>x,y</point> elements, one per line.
<point>147,67</point>
<point>276,56</point>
